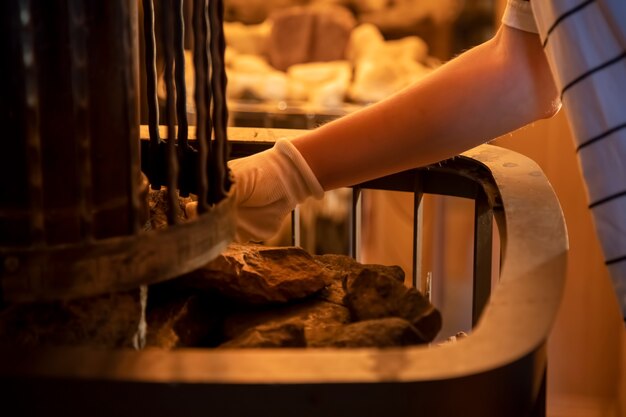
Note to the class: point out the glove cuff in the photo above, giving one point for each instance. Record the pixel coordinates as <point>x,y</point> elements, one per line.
<point>307,177</point>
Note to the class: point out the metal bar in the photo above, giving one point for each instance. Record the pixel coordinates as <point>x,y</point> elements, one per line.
<point>483,243</point>
<point>80,101</point>
<point>201,72</point>
<point>296,230</point>
<point>151,87</point>
<point>31,124</point>
<point>354,249</point>
<point>220,113</point>
<point>225,152</point>
<point>208,93</point>
<point>179,75</point>
<point>418,217</point>
<point>168,76</point>
<point>181,98</point>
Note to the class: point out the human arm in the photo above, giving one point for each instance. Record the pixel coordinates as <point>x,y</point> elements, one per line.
<point>487,91</point>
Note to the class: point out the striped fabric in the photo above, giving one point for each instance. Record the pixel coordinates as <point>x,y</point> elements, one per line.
<point>585,42</point>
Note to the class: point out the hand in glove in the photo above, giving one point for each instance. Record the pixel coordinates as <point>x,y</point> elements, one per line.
<point>267,187</point>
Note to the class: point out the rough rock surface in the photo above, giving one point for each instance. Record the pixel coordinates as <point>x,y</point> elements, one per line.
<point>158,205</point>
<point>289,333</point>
<point>185,321</point>
<point>309,34</point>
<point>371,295</point>
<point>317,316</point>
<point>380,333</point>
<point>343,266</point>
<point>254,274</point>
<point>252,296</point>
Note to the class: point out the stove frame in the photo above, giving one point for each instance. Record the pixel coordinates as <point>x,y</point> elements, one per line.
<point>499,370</point>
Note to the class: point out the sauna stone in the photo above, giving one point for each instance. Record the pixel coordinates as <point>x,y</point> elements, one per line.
<point>250,297</point>
<point>254,274</point>
<point>289,333</point>
<point>373,295</point>
<point>182,321</point>
<point>342,266</point>
<point>377,333</point>
<point>316,315</point>
<point>345,265</point>
<point>331,318</point>
<point>158,205</point>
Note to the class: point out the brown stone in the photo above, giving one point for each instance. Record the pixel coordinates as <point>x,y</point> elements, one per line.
<point>316,316</point>
<point>377,333</point>
<point>158,204</point>
<point>371,295</point>
<point>254,274</point>
<point>294,300</point>
<point>342,266</point>
<point>288,333</point>
<point>106,321</point>
<point>346,265</point>
<point>333,292</point>
<point>182,321</point>
<point>309,34</point>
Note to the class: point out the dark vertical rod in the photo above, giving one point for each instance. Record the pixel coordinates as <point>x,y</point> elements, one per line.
<point>417,234</point>
<point>131,101</point>
<point>181,98</point>
<point>179,68</point>
<point>80,100</point>
<point>200,65</point>
<point>31,125</point>
<point>225,154</point>
<point>355,223</point>
<point>208,99</point>
<point>151,86</point>
<point>483,244</point>
<point>218,84</point>
<point>170,108</point>
<point>296,230</point>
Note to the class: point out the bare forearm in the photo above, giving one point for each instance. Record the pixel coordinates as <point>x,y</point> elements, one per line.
<point>490,90</point>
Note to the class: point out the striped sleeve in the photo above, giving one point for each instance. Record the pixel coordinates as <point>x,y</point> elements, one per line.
<point>585,43</point>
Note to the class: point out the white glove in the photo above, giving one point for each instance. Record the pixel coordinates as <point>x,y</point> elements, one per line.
<point>267,187</point>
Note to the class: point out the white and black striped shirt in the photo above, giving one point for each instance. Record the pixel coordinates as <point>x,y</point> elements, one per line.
<point>585,43</point>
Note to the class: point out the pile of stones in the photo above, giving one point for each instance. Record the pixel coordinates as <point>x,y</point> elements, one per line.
<point>250,296</point>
